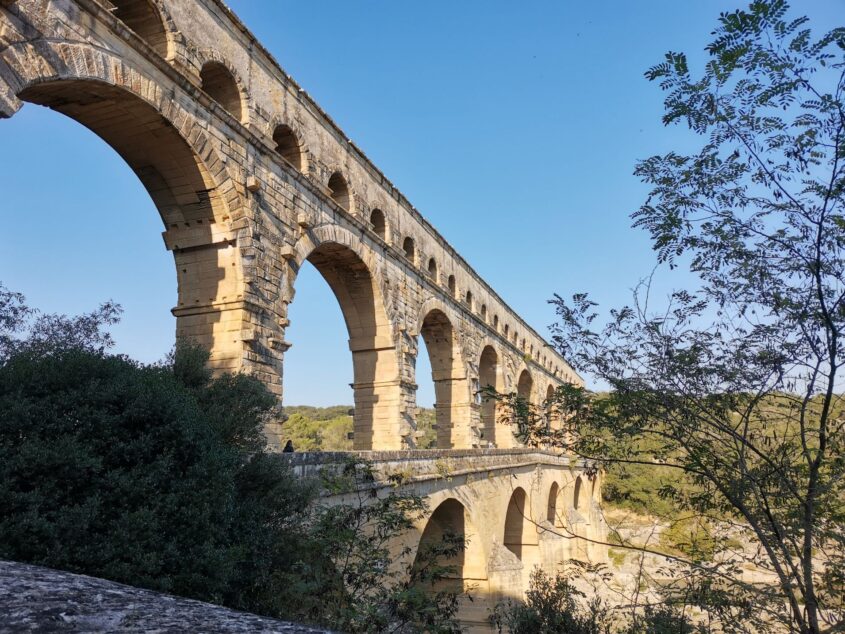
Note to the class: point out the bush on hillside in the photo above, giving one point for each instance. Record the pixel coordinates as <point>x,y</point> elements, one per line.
<point>158,476</point>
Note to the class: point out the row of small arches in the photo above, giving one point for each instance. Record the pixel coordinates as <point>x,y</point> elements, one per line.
<point>519,533</point>
<point>219,83</point>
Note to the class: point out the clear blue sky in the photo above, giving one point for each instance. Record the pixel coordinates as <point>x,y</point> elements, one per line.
<point>513,126</point>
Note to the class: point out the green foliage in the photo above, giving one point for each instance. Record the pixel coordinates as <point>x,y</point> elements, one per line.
<point>637,488</point>
<point>157,476</point>
<point>328,428</point>
<point>554,605</point>
<point>122,471</point>
<point>369,586</point>
<point>76,420</point>
<point>736,385</point>
<point>426,421</point>
<point>692,537</point>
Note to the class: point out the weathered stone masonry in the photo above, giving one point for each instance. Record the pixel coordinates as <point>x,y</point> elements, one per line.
<point>251,179</point>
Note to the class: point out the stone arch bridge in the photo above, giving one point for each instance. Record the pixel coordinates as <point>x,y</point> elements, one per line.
<point>517,509</point>
<point>252,179</point>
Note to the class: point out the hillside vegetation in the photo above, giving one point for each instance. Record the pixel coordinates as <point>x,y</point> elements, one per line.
<point>330,428</point>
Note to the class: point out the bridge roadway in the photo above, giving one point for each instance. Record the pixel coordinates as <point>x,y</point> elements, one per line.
<point>517,508</point>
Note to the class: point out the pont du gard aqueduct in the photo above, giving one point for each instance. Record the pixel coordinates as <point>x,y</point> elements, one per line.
<point>251,179</point>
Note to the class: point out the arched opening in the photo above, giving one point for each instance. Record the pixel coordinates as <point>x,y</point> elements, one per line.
<point>551,510</point>
<point>468,300</point>
<point>409,249</point>
<point>219,84</point>
<point>553,420</point>
<point>339,190</point>
<point>507,328</point>
<point>525,385</point>
<point>576,496</point>
<point>484,312</point>
<point>143,17</point>
<point>496,323</point>
<point>374,369</point>
<point>453,289</point>
<point>520,530</point>
<point>287,146</point>
<point>432,269</point>
<point>182,190</point>
<point>469,566</point>
<point>451,391</point>
<point>318,372</point>
<point>378,223</point>
<point>488,377</point>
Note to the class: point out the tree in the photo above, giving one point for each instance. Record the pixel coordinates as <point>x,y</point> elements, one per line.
<point>557,605</point>
<point>363,578</point>
<point>737,384</point>
<point>149,475</point>
<point>158,476</point>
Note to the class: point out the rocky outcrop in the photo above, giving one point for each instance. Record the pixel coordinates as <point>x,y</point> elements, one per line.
<point>36,599</point>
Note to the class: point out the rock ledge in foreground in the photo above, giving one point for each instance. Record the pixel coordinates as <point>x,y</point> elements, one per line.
<point>36,599</point>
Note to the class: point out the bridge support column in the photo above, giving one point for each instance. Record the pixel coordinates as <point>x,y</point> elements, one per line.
<point>379,403</point>
<point>231,334</point>
<point>453,412</point>
<point>219,310</point>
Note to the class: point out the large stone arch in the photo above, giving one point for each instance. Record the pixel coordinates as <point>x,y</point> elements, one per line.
<point>26,68</point>
<point>436,325</point>
<point>173,156</point>
<point>491,375</point>
<point>553,421</point>
<point>233,234</point>
<point>351,271</point>
<point>469,567</point>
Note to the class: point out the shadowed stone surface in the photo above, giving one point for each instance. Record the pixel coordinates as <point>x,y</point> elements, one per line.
<point>36,599</point>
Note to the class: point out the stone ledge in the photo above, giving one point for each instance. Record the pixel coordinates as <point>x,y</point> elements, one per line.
<point>329,457</point>
<point>36,599</point>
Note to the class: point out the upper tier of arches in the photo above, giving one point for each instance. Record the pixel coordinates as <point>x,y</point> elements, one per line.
<point>298,136</point>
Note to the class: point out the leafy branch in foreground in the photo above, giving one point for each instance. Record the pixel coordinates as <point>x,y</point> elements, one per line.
<point>737,384</point>
<point>369,582</point>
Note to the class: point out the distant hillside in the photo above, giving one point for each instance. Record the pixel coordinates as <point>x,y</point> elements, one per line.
<point>329,428</point>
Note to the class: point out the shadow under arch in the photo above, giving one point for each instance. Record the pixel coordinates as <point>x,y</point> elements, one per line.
<point>145,18</point>
<point>451,389</point>
<point>520,530</point>
<point>553,512</point>
<point>469,566</point>
<point>183,189</point>
<point>553,422</point>
<point>525,386</point>
<point>375,381</point>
